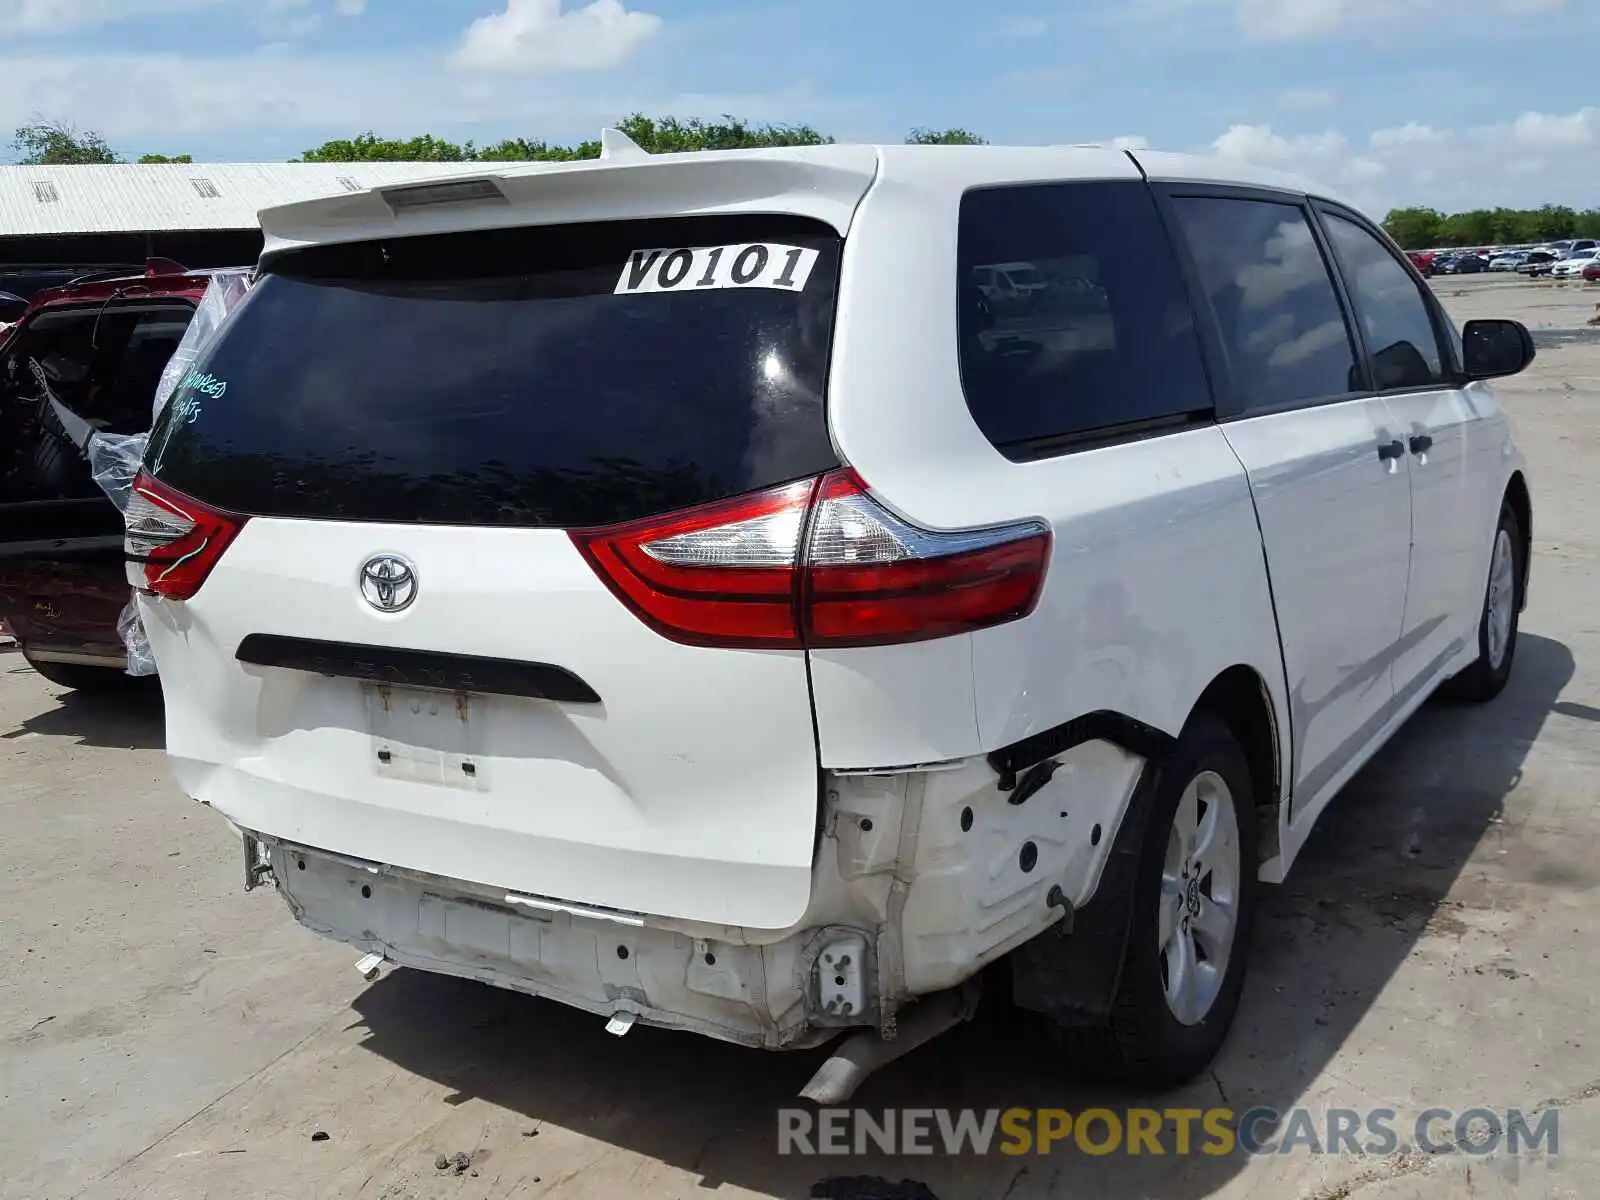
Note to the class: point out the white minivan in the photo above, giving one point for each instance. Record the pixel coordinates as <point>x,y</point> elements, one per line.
<point>668,585</point>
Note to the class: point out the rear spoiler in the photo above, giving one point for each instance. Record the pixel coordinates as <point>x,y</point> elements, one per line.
<point>825,183</point>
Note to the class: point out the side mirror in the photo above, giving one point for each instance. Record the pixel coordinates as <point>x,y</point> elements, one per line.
<point>1494,349</point>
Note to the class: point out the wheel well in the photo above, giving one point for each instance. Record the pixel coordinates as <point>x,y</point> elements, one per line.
<point>1521,504</point>
<point>1239,698</point>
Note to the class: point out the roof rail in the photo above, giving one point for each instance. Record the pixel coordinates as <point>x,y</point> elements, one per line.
<point>105,275</point>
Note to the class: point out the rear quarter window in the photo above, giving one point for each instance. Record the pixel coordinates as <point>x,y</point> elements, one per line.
<point>1074,323</point>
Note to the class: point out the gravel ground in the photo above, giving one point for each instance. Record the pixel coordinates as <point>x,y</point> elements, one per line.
<point>163,1034</point>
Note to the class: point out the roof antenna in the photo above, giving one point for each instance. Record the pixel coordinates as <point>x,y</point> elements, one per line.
<point>615,144</point>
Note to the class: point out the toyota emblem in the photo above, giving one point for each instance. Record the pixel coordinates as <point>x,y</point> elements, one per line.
<point>388,583</point>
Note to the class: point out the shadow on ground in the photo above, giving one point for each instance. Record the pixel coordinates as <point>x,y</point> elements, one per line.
<point>129,716</point>
<point>1372,882</point>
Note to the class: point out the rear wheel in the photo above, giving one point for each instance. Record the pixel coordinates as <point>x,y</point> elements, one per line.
<point>1193,912</point>
<point>102,681</point>
<point>1499,621</point>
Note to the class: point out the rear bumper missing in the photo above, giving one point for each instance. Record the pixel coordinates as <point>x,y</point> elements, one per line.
<point>922,878</point>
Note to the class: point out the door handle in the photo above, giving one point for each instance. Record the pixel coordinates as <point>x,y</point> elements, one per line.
<point>1421,443</point>
<point>1391,451</point>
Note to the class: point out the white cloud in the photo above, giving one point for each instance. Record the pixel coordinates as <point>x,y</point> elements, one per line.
<point>1283,20</point>
<point>538,34</point>
<point>1419,164</point>
<point>46,17</point>
<point>1308,98</point>
<point>1259,144</point>
<point>273,104</point>
<point>1022,27</point>
<point>1298,20</point>
<point>1409,136</point>
<point>286,18</point>
<point>1540,132</point>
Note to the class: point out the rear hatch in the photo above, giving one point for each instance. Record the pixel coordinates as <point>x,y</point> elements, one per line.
<point>406,654</point>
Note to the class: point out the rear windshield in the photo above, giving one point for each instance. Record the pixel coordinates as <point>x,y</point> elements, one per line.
<point>552,377</point>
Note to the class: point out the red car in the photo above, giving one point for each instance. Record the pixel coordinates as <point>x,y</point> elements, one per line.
<point>99,346</point>
<point>1592,272</point>
<point>1422,260</point>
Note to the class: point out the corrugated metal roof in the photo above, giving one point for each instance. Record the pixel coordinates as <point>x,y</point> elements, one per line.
<point>175,197</point>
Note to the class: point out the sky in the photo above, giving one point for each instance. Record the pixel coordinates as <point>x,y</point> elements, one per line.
<point>1449,103</point>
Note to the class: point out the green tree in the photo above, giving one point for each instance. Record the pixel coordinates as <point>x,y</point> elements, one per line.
<point>657,135</point>
<point>369,147</point>
<point>1414,228</point>
<point>1554,221</point>
<point>1473,228</point>
<point>54,143</point>
<point>523,150</point>
<point>147,159</point>
<point>667,135</point>
<point>944,137</point>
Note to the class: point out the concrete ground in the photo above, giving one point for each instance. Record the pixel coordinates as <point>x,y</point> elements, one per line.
<point>163,1034</point>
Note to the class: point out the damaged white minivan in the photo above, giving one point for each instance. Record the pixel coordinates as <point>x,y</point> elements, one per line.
<point>677,587</point>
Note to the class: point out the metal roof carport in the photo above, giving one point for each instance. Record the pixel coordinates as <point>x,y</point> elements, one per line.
<point>201,214</point>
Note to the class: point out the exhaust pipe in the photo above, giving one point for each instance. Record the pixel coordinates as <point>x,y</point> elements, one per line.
<point>865,1052</point>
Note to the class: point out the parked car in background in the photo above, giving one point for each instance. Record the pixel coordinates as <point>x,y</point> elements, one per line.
<point>1422,260</point>
<point>1017,284</point>
<point>1538,262</point>
<point>1509,261</point>
<point>777,663</point>
<point>1469,264</point>
<point>1571,267</point>
<point>97,347</point>
<point>1566,246</point>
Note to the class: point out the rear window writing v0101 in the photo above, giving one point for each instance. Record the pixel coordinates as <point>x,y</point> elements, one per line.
<point>757,265</point>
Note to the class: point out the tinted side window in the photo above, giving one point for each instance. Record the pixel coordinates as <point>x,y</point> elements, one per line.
<point>1073,315</point>
<point>1282,327</point>
<point>1394,317</point>
<point>101,363</point>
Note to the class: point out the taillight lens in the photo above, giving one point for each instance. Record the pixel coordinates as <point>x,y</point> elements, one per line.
<point>872,579</point>
<point>721,575</point>
<point>817,563</point>
<point>173,540</point>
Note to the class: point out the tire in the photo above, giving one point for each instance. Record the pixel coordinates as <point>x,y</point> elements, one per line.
<point>1149,1040</point>
<point>1500,619</point>
<point>92,681</point>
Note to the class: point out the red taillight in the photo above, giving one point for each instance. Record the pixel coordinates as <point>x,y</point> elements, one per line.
<point>173,539</point>
<point>721,575</point>
<point>873,579</point>
<point>817,563</point>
